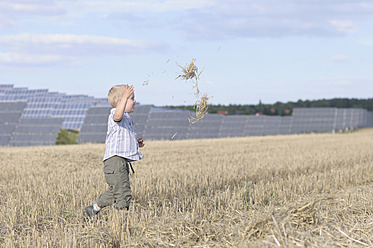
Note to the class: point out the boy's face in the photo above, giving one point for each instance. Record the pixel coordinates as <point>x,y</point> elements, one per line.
<point>130,106</point>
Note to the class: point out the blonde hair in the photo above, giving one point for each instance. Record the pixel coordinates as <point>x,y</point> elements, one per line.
<point>115,93</point>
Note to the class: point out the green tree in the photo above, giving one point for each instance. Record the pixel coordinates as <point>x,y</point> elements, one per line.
<point>66,137</point>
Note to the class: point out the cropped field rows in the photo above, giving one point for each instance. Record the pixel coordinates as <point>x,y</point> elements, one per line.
<point>295,190</point>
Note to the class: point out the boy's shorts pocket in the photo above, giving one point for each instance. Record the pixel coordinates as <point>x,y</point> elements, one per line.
<point>108,169</point>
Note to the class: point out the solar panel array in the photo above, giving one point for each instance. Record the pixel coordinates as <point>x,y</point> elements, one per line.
<point>36,132</point>
<point>327,119</point>
<point>17,131</point>
<point>44,104</point>
<point>95,125</point>
<point>10,113</point>
<point>89,115</point>
<point>165,124</point>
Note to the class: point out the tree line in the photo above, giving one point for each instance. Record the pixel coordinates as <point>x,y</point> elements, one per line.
<point>283,109</point>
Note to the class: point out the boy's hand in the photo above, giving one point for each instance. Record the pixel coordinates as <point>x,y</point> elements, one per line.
<point>128,91</point>
<point>141,142</point>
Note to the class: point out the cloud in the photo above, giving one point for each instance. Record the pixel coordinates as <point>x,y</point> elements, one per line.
<point>65,49</point>
<point>13,12</point>
<point>343,83</point>
<point>366,42</point>
<point>147,5</point>
<point>245,19</point>
<point>76,44</point>
<point>31,7</point>
<point>343,26</point>
<point>127,20</point>
<point>203,19</point>
<point>339,58</point>
<point>26,60</point>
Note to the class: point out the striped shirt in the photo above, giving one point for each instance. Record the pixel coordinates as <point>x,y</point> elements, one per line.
<point>121,138</point>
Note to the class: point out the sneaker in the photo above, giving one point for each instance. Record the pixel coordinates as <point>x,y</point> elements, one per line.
<point>90,211</point>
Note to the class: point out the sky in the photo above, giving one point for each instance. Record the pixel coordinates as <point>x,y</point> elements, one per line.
<point>246,50</point>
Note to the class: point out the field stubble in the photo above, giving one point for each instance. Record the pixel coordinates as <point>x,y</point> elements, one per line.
<point>292,191</point>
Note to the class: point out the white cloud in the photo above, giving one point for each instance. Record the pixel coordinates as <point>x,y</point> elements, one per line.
<point>75,44</point>
<point>14,59</point>
<point>366,42</point>
<point>212,19</point>
<point>147,5</point>
<point>65,49</point>
<point>343,26</point>
<point>343,83</point>
<point>339,58</point>
<point>31,7</point>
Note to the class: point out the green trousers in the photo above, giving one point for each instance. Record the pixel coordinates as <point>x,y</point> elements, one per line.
<point>116,170</point>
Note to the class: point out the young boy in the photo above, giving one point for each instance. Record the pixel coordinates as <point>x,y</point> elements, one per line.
<point>121,147</point>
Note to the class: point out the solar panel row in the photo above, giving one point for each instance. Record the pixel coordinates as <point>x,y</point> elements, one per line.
<point>17,131</point>
<point>156,123</point>
<point>44,104</point>
<point>36,132</point>
<point>95,125</point>
<point>10,113</point>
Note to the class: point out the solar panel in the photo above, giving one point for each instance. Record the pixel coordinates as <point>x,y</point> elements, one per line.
<point>33,139</point>
<point>10,113</point>
<point>40,122</point>
<point>285,125</point>
<point>370,119</point>
<point>9,117</point>
<point>91,138</point>
<point>159,123</point>
<point>12,106</point>
<point>4,140</point>
<point>233,126</point>
<point>99,111</point>
<point>36,132</point>
<point>6,129</point>
<point>37,129</point>
<point>45,104</point>
<point>207,127</point>
<point>166,124</point>
<point>94,127</point>
<point>98,128</point>
<point>314,120</point>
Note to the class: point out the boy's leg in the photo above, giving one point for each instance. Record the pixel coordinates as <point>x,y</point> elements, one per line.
<point>122,190</point>
<point>116,172</point>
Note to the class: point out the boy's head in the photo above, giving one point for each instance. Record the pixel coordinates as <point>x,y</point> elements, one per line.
<point>115,94</point>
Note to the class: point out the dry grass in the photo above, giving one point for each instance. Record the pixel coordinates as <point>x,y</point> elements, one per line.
<point>310,190</point>
<point>190,72</point>
<point>201,107</point>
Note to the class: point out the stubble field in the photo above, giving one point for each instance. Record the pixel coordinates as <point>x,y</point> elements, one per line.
<point>312,190</point>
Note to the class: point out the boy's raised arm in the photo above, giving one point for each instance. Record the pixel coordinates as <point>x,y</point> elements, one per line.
<point>121,105</point>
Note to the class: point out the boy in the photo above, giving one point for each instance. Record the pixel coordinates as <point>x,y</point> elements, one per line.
<point>121,147</point>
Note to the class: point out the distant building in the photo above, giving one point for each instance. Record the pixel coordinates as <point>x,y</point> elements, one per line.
<point>222,112</point>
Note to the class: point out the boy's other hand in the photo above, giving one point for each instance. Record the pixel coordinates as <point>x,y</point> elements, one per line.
<point>141,142</point>
<point>128,91</point>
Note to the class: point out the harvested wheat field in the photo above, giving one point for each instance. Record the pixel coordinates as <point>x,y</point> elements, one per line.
<point>312,190</point>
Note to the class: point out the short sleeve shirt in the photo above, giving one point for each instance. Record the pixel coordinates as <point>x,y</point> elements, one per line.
<point>121,138</point>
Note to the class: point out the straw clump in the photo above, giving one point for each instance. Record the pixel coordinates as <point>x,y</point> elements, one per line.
<point>190,72</point>
<point>201,107</point>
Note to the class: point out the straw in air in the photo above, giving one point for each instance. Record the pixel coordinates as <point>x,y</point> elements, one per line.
<point>190,72</point>
<point>201,109</point>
